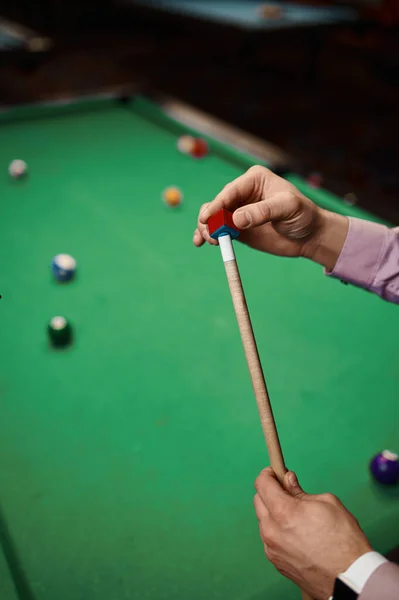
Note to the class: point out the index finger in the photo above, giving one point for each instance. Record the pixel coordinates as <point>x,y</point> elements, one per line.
<point>243,190</point>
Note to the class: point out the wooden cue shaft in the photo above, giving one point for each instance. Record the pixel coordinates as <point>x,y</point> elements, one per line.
<point>255,370</point>
<point>254,365</point>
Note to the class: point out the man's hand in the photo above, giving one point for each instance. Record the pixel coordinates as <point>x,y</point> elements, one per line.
<point>309,538</point>
<point>275,217</point>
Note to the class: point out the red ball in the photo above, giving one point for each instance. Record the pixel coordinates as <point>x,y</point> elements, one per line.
<point>200,148</point>
<point>315,180</point>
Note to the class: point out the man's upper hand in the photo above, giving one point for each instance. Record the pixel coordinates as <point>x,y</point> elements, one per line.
<point>275,217</point>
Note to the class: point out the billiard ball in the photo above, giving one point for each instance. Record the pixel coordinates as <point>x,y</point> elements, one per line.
<point>185,144</point>
<point>315,180</point>
<point>350,198</point>
<point>172,196</point>
<point>200,148</point>
<point>60,332</point>
<point>63,267</point>
<point>385,467</point>
<point>270,11</point>
<point>18,169</point>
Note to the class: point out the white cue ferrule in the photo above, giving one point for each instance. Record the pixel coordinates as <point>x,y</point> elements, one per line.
<point>226,248</point>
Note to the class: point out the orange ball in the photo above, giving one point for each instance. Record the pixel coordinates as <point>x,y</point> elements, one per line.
<point>172,196</point>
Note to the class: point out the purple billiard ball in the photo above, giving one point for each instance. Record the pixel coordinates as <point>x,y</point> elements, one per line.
<point>385,467</point>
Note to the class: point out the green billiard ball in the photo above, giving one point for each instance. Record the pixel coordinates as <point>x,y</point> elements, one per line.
<point>60,332</point>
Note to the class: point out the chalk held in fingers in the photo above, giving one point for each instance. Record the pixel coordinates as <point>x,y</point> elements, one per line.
<point>221,223</point>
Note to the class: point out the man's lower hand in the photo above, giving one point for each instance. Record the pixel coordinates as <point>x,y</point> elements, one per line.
<point>309,538</point>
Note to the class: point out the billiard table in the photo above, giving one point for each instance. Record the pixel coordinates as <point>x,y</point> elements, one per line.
<point>127,460</point>
<point>248,14</point>
<point>15,38</point>
<point>234,32</point>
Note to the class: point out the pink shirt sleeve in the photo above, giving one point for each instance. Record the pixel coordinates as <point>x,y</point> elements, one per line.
<point>370,259</point>
<point>383,584</point>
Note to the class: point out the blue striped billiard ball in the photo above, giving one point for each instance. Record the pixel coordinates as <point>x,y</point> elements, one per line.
<point>63,267</point>
<point>385,467</point>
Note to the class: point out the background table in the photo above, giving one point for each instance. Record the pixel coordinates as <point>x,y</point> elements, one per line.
<point>8,41</point>
<point>14,38</point>
<point>234,30</point>
<point>127,461</point>
<point>246,15</point>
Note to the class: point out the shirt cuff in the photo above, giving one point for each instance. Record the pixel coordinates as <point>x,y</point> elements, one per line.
<point>361,570</point>
<point>362,253</point>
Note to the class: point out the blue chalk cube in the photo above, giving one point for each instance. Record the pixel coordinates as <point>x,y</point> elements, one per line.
<point>225,230</point>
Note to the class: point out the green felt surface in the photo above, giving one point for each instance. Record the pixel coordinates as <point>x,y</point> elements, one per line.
<point>7,589</point>
<point>14,581</point>
<point>127,462</point>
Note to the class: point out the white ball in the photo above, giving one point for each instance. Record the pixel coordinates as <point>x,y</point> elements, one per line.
<point>18,168</point>
<point>185,144</point>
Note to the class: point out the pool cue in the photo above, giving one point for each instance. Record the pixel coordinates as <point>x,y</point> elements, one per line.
<point>254,365</point>
<point>253,360</point>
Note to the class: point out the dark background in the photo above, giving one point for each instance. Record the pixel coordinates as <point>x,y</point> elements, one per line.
<point>329,99</point>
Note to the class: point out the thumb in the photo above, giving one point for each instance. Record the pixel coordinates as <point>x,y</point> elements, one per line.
<point>292,486</point>
<point>277,207</point>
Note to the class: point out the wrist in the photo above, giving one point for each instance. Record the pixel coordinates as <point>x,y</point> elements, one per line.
<point>352,582</point>
<point>326,246</point>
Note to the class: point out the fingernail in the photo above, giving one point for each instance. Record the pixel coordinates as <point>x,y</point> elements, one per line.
<point>292,478</point>
<point>242,219</point>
